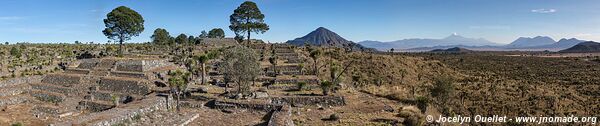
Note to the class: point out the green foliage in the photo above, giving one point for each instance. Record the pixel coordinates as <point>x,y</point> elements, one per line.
<point>161,37</point>
<point>301,86</point>
<point>192,39</point>
<point>16,52</point>
<point>137,117</point>
<point>422,103</point>
<point>247,18</point>
<point>443,90</point>
<point>181,39</point>
<point>315,54</point>
<point>216,33</point>
<point>443,87</point>
<point>240,64</point>
<point>326,86</point>
<point>122,23</point>
<point>202,58</point>
<point>203,34</point>
<point>179,80</point>
<point>17,124</point>
<point>115,99</point>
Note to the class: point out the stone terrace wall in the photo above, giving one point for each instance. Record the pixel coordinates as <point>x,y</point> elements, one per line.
<point>139,65</point>
<point>310,100</point>
<point>130,65</point>
<point>124,86</point>
<point>21,80</point>
<point>116,115</point>
<point>267,107</point>
<point>63,80</point>
<point>295,81</point>
<point>87,64</point>
<point>129,74</point>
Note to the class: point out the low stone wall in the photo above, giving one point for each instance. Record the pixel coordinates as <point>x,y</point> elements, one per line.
<point>271,73</point>
<point>45,109</point>
<point>94,106</point>
<point>13,90</point>
<point>87,64</point>
<point>16,99</point>
<point>294,60</point>
<point>285,68</point>
<point>283,117</point>
<point>129,74</point>
<point>50,88</point>
<point>124,86</point>
<point>119,114</point>
<point>290,87</point>
<point>105,96</point>
<point>267,107</point>
<point>77,71</point>
<point>295,81</point>
<point>21,80</point>
<point>310,100</point>
<point>130,65</point>
<point>61,79</point>
<point>106,64</point>
<point>47,96</point>
<point>191,104</point>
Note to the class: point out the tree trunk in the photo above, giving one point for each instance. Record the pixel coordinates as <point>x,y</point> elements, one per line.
<point>203,73</point>
<point>177,101</point>
<point>121,47</point>
<point>248,28</point>
<point>248,36</point>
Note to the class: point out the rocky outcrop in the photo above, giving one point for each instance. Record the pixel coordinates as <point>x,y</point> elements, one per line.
<point>282,117</point>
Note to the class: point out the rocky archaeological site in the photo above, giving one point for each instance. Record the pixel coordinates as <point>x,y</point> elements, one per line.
<point>141,77</point>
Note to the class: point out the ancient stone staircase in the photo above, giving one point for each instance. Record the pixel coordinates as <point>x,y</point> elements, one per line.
<point>289,72</point>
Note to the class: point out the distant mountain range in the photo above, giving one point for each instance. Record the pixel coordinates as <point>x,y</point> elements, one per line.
<point>528,42</point>
<point>452,50</point>
<point>538,43</point>
<point>583,47</point>
<point>324,37</point>
<point>453,39</point>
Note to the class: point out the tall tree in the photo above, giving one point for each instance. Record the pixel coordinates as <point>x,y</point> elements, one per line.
<point>192,40</point>
<point>203,34</point>
<point>161,37</point>
<point>122,23</point>
<point>181,39</point>
<point>216,33</point>
<point>247,18</point>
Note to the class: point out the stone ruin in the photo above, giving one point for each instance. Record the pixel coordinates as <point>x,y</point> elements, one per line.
<point>88,88</point>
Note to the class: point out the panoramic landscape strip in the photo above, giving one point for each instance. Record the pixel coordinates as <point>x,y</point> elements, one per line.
<point>240,75</point>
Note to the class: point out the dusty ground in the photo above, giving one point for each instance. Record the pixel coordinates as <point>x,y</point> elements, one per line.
<point>361,109</point>
<point>20,113</point>
<point>214,117</point>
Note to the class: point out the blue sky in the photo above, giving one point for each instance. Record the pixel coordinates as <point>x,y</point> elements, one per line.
<point>500,21</point>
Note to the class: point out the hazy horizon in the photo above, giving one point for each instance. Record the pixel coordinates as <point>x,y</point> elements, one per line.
<point>385,20</point>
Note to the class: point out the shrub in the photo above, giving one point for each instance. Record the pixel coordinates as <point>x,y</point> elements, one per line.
<point>326,87</point>
<point>334,117</point>
<point>17,124</point>
<point>422,103</point>
<point>301,86</point>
